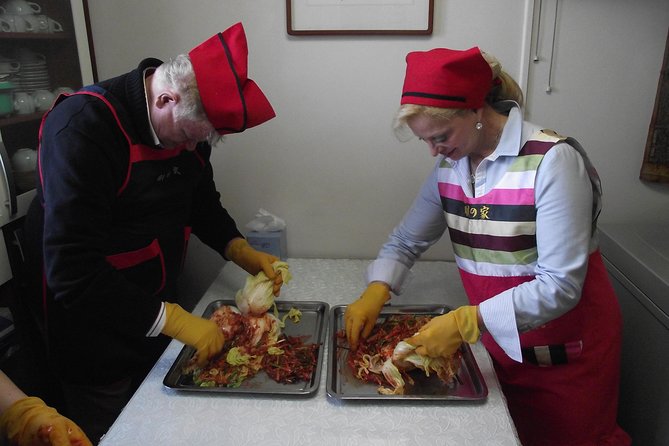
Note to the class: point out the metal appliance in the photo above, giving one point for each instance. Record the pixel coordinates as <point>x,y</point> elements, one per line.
<point>637,259</point>
<point>17,189</point>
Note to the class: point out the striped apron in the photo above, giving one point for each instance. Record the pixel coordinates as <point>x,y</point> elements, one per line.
<point>565,392</point>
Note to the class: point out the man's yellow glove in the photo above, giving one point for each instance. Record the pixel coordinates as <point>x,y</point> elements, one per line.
<point>253,261</point>
<point>361,315</point>
<point>30,422</point>
<point>203,334</point>
<point>443,335</point>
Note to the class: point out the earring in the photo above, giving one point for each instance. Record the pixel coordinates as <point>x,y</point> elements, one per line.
<point>479,126</point>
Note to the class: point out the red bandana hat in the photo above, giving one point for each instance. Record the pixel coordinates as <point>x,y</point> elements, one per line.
<point>447,78</point>
<point>232,101</point>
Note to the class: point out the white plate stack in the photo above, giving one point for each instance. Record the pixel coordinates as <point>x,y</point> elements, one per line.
<point>33,76</point>
<point>34,73</point>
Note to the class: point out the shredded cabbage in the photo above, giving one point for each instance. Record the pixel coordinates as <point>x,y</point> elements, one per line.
<point>266,329</point>
<point>394,377</point>
<point>293,314</point>
<point>405,357</point>
<point>274,351</point>
<point>236,357</point>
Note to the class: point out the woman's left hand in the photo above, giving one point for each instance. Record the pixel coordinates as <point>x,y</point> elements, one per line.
<point>442,336</point>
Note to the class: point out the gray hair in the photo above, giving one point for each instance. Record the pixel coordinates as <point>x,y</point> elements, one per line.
<point>178,74</point>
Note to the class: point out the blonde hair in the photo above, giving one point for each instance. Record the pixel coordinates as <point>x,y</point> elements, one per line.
<point>504,88</point>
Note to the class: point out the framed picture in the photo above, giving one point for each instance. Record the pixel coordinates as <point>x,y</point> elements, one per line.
<point>359,17</point>
<point>655,167</point>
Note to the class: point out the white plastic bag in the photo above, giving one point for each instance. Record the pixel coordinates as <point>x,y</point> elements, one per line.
<point>265,221</point>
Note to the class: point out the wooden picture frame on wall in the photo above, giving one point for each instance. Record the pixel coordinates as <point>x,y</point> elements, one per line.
<point>655,165</point>
<point>359,17</point>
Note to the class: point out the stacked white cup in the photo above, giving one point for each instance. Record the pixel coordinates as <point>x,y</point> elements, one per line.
<point>23,16</point>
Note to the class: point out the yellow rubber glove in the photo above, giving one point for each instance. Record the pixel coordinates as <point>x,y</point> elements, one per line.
<point>361,315</point>
<point>253,261</point>
<point>30,422</point>
<point>443,335</point>
<point>197,332</point>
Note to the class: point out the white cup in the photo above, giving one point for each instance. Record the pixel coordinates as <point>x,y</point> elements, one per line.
<point>24,160</point>
<point>17,23</point>
<point>9,66</point>
<point>43,99</point>
<point>7,23</point>
<point>39,22</point>
<point>24,104</point>
<point>28,56</point>
<point>55,26</point>
<point>21,24</point>
<point>22,7</point>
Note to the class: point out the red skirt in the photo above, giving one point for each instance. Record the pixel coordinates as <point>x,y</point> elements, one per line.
<point>565,392</point>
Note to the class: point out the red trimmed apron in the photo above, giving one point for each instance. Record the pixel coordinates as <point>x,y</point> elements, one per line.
<point>149,259</point>
<point>149,253</point>
<point>566,390</point>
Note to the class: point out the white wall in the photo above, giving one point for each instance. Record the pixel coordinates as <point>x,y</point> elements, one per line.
<point>606,67</point>
<point>329,163</point>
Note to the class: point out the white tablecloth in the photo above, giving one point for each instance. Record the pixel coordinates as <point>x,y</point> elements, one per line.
<point>157,415</point>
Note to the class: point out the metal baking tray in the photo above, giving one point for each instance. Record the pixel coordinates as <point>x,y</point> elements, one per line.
<point>312,324</point>
<point>342,384</point>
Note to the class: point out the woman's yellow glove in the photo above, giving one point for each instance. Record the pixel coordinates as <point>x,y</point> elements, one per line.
<point>30,422</point>
<point>443,335</point>
<point>361,315</point>
<point>253,261</point>
<point>203,334</point>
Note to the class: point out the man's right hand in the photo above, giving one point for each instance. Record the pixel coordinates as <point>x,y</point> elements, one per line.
<point>360,316</point>
<point>203,334</point>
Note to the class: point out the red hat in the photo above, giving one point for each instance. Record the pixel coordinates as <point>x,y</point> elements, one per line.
<point>447,78</point>
<point>232,101</point>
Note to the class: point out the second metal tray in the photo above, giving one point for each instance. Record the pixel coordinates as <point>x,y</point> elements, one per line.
<point>312,324</point>
<point>341,383</point>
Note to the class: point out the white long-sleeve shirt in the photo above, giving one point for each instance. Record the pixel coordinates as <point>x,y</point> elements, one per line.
<point>564,202</point>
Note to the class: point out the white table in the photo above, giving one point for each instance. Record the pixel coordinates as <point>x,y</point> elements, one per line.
<point>157,415</point>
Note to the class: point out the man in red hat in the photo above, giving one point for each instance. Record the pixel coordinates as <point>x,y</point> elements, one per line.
<point>125,178</point>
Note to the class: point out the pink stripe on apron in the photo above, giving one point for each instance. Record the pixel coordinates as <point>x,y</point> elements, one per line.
<point>495,196</point>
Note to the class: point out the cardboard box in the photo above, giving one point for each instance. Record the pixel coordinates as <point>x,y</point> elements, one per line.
<point>270,242</point>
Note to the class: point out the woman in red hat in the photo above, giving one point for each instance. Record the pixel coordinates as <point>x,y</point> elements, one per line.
<point>520,204</point>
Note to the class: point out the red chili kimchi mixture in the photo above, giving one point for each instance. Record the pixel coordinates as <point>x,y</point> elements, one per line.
<point>255,344</point>
<point>372,362</point>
